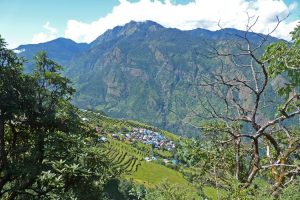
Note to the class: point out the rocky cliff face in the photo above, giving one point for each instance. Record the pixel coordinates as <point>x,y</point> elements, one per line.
<point>144,71</point>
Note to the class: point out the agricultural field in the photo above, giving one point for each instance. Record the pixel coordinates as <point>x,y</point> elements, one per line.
<point>130,158</point>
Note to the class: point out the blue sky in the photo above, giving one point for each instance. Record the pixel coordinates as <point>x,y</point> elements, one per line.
<point>21,19</point>
<point>34,21</point>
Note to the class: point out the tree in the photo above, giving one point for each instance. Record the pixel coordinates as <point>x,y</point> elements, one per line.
<point>13,102</point>
<point>260,131</point>
<point>45,149</point>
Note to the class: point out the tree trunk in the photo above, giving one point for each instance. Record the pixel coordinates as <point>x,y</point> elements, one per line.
<point>277,186</point>
<point>238,159</point>
<point>5,175</point>
<point>255,164</point>
<point>3,160</point>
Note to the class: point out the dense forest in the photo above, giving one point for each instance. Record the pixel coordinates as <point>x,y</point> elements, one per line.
<point>49,149</point>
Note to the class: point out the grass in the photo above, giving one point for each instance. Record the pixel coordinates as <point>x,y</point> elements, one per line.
<point>213,193</point>
<point>164,154</point>
<point>148,173</point>
<point>151,174</point>
<point>123,155</point>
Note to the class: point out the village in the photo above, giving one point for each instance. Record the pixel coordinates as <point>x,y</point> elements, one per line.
<point>145,136</point>
<point>148,137</point>
<point>155,139</point>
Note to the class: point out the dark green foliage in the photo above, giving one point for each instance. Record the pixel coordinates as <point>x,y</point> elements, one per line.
<point>284,60</point>
<point>132,191</point>
<point>191,152</point>
<point>125,190</point>
<point>147,72</point>
<point>46,152</point>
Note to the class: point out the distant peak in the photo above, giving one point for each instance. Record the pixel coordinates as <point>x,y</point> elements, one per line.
<point>143,24</point>
<point>63,40</point>
<point>130,28</point>
<point>146,22</point>
<point>58,41</point>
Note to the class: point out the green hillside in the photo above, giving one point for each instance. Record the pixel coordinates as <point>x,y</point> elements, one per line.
<point>130,159</point>
<point>143,71</point>
<point>249,145</point>
<point>127,155</point>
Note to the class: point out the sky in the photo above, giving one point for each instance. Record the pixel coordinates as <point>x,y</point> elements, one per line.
<point>37,21</point>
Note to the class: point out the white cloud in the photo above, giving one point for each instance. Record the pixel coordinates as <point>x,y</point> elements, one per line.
<point>293,5</point>
<point>18,51</point>
<point>52,30</point>
<point>50,34</point>
<point>196,14</point>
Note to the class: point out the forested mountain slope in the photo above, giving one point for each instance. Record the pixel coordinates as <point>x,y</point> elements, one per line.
<point>142,71</point>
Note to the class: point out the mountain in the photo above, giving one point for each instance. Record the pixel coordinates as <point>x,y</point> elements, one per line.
<point>61,50</point>
<point>229,34</point>
<point>121,32</point>
<point>141,71</point>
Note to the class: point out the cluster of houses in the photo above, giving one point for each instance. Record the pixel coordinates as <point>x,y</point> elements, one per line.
<point>149,137</point>
<point>145,136</point>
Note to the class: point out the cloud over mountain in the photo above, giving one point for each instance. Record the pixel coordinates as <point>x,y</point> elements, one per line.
<point>49,34</point>
<point>197,14</point>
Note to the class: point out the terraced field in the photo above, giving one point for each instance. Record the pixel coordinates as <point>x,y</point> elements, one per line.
<point>132,162</point>
<point>130,159</point>
<point>123,160</point>
<point>124,157</point>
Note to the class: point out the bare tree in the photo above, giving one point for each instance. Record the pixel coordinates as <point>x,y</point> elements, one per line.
<point>240,93</point>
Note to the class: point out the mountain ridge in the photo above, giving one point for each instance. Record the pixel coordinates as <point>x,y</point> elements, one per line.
<point>144,71</point>
<point>148,24</point>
